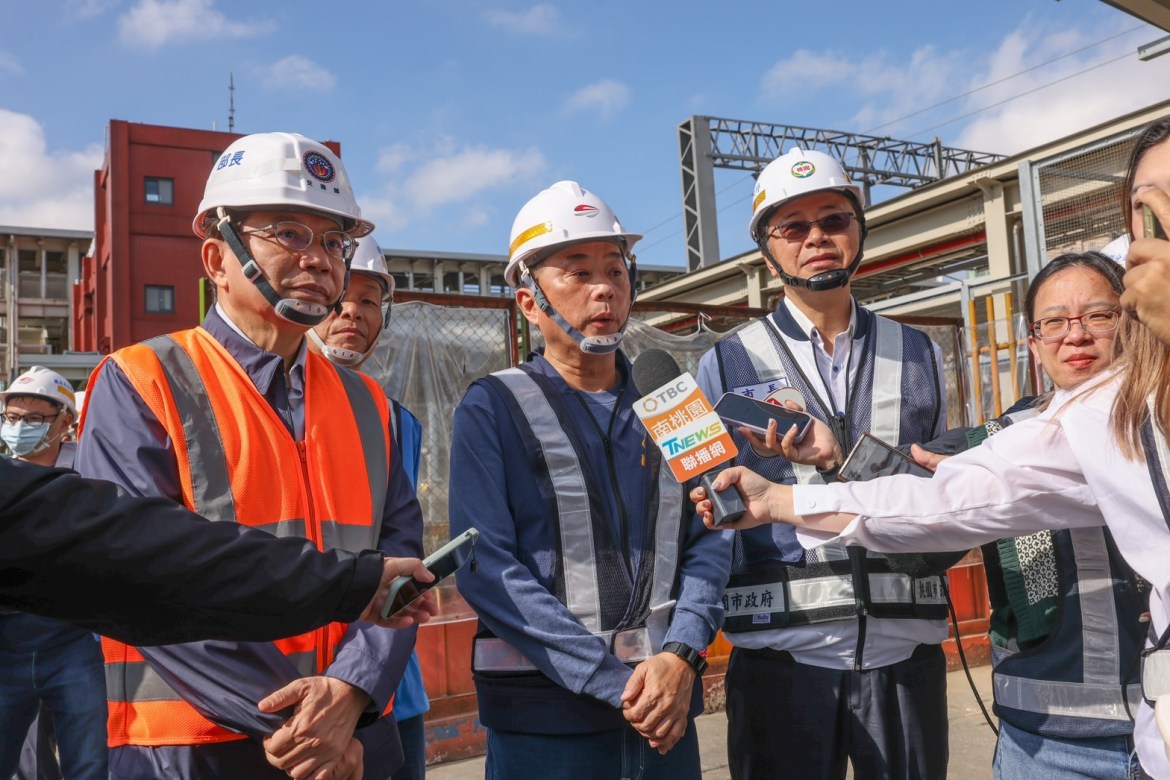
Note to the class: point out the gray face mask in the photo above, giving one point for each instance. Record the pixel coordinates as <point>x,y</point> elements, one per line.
<point>25,438</point>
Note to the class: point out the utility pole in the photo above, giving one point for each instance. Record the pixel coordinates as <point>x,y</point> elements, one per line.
<point>231,102</point>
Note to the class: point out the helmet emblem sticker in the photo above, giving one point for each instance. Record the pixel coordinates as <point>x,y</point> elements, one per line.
<point>319,167</point>
<point>585,210</point>
<point>803,169</point>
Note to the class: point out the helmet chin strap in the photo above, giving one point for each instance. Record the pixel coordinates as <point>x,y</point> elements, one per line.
<point>340,355</point>
<point>291,309</point>
<point>590,345</point>
<point>829,280</point>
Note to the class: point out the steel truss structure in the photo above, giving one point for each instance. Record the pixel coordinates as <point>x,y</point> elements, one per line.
<point>706,143</point>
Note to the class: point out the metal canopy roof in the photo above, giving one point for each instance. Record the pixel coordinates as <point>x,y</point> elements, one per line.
<point>1155,12</point>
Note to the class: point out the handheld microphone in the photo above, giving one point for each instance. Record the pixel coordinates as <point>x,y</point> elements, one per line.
<point>684,425</point>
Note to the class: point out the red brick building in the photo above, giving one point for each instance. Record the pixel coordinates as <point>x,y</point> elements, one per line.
<point>144,277</point>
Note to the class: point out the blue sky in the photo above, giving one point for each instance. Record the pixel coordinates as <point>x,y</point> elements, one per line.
<point>452,113</point>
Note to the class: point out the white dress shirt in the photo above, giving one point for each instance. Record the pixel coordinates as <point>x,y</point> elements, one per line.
<point>1060,469</point>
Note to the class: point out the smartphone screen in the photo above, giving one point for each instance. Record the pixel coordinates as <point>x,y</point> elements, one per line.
<point>442,563</point>
<point>871,458</point>
<point>754,415</point>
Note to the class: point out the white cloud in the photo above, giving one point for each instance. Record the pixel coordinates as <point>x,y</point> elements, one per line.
<point>476,217</point>
<point>923,95</point>
<point>461,179</point>
<point>467,173</point>
<point>1076,93</point>
<point>393,158</point>
<point>297,72</point>
<point>42,188</point>
<point>606,97</point>
<point>804,71</point>
<point>539,20</point>
<point>88,9</point>
<point>10,64</point>
<point>154,23</point>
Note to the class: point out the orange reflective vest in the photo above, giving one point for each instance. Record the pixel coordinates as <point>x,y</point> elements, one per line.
<point>238,462</point>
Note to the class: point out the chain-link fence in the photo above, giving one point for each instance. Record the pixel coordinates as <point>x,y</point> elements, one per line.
<point>1072,202</point>
<point>1077,197</point>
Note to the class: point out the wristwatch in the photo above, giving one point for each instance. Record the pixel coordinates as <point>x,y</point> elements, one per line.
<point>695,659</point>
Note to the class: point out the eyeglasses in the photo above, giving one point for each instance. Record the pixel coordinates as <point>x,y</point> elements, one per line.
<point>1053,328</point>
<point>798,229</point>
<point>298,238</point>
<point>12,418</point>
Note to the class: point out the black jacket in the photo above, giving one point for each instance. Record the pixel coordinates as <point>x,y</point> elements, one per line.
<point>147,571</point>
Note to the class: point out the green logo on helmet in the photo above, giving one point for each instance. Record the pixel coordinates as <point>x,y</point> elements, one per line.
<point>803,169</point>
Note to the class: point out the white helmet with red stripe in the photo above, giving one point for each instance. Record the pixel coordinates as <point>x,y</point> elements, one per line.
<point>43,383</point>
<point>560,216</point>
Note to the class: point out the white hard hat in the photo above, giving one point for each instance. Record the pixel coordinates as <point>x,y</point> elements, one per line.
<point>41,382</point>
<point>562,215</point>
<point>369,260</point>
<point>281,170</point>
<point>798,172</point>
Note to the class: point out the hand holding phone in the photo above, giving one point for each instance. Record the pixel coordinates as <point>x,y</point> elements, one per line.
<point>872,458</point>
<point>1151,225</point>
<point>442,563</point>
<point>755,415</point>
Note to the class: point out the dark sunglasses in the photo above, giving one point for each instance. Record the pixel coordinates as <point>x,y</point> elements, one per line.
<point>798,230</point>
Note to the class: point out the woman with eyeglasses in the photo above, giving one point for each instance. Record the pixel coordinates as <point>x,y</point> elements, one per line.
<point>1067,611</point>
<point>1097,455</point>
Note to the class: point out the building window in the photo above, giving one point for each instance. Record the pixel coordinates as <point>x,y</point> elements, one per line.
<point>160,191</point>
<point>160,299</point>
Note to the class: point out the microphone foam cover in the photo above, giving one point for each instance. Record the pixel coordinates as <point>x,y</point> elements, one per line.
<point>653,369</point>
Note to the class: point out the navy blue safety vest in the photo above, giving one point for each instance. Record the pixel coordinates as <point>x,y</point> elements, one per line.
<point>590,578</point>
<point>774,583</point>
<point>1081,681</point>
<point>1076,683</point>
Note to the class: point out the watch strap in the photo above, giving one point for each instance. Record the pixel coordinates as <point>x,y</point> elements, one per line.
<point>696,659</point>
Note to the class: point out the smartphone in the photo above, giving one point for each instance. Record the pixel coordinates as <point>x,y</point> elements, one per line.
<point>442,563</point>
<point>1151,225</point>
<point>872,458</point>
<point>754,415</point>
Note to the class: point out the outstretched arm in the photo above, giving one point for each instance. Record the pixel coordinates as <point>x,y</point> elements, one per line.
<point>147,571</point>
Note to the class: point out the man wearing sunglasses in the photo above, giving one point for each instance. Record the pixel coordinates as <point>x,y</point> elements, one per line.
<point>836,654</point>
<point>239,421</point>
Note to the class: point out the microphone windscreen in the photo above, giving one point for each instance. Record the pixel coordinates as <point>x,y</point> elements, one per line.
<point>653,369</point>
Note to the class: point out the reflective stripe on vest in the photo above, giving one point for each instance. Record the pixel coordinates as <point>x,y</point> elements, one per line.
<point>238,462</point>
<point>1098,694</point>
<point>1027,693</point>
<point>575,527</point>
<point>829,596</point>
<point>829,592</point>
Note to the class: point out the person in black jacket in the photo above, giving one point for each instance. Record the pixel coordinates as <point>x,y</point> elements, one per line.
<point>74,549</point>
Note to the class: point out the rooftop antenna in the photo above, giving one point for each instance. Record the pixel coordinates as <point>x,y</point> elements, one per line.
<point>231,102</point>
